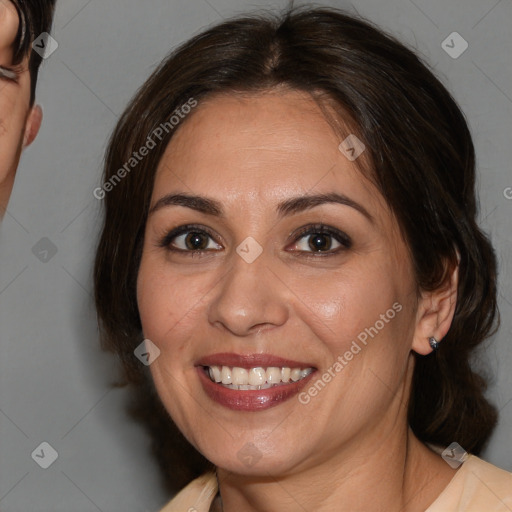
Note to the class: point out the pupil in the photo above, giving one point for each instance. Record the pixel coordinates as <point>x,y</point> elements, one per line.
<point>195,241</point>
<point>319,242</point>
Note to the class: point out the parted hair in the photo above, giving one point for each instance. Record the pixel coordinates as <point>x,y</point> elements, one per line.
<point>419,153</point>
<point>35,18</point>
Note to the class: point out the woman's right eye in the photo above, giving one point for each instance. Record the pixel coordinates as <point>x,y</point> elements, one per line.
<point>189,239</point>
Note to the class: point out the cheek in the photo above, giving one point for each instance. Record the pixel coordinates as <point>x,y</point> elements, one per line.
<point>13,113</point>
<point>11,138</point>
<point>339,305</point>
<point>169,303</point>
<point>6,113</point>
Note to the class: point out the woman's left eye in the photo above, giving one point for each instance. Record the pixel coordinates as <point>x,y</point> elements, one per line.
<point>322,239</point>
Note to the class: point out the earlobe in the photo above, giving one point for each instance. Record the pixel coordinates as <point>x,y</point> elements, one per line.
<point>33,124</point>
<point>435,314</point>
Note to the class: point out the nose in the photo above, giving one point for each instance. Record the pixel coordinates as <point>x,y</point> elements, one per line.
<point>249,298</point>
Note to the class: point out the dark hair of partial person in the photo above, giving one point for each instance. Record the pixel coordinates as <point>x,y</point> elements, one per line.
<point>419,153</point>
<point>35,18</point>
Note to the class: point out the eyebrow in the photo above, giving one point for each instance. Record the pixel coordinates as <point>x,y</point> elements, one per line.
<point>288,207</point>
<point>198,203</point>
<point>302,203</point>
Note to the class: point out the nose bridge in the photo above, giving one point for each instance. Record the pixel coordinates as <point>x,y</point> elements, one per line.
<point>248,297</point>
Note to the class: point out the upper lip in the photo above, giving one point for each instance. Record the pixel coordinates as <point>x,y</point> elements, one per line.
<point>250,361</point>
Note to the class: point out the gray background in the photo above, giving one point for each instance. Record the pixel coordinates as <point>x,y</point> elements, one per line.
<point>54,380</point>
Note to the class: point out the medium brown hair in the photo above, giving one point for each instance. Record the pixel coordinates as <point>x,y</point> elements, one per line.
<point>422,160</point>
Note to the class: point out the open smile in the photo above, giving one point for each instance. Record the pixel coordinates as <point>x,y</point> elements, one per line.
<point>252,382</point>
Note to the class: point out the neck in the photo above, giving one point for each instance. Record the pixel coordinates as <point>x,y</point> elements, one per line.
<point>399,474</point>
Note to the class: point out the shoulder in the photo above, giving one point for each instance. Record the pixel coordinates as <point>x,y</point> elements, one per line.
<point>197,496</point>
<point>476,486</point>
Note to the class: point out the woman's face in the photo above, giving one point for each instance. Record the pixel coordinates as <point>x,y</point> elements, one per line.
<point>18,122</point>
<point>266,277</point>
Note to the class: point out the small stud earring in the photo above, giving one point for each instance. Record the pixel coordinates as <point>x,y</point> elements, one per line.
<point>434,344</point>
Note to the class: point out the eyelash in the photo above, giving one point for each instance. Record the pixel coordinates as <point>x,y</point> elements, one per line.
<point>312,229</point>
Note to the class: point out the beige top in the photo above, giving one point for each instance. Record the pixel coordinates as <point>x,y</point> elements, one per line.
<point>476,487</point>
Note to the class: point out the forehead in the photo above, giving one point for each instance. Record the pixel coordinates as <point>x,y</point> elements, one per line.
<point>9,23</point>
<point>274,143</point>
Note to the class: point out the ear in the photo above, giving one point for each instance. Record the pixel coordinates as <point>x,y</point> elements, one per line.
<point>435,314</point>
<point>32,125</point>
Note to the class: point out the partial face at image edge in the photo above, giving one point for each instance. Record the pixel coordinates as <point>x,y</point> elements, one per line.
<point>19,120</point>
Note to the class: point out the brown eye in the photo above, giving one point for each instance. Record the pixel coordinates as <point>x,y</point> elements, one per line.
<point>189,239</point>
<point>320,242</point>
<point>196,241</point>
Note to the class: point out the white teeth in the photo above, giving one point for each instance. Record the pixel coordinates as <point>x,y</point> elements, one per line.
<point>305,373</point>
<point>226,375</point>
<point>295,375</point>
<point>217,377</point>
<point>273,375</point>
<point>255,378</point>
<point>240,376</point>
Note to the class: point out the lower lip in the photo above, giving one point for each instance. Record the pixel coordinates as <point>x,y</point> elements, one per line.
<point>250,400</point>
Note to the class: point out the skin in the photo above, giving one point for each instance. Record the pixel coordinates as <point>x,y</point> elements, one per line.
<point>350,447</point>
<point>19,120</point>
